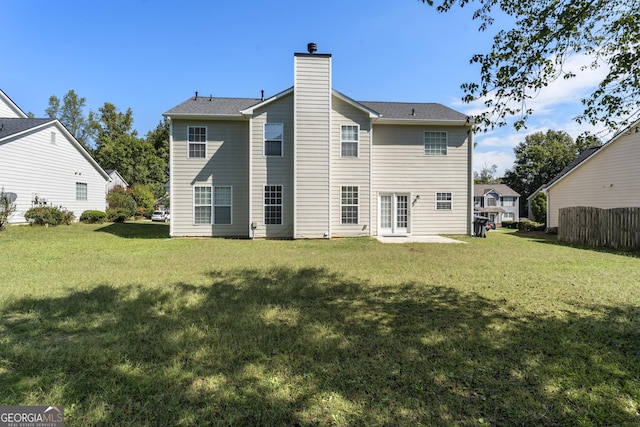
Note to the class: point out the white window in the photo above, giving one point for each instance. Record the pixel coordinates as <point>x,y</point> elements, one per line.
<point>81,191</point>
<point>507,216</point>
<point>491,201</point>
<point>222,202</point>
<point>202,205</point>
<point>273,204</point>
<point>349,140</point>
<point>435,143</point>
<point>349,205</point>
<point>444,201</point>
<point>273,139</point>
<point>508,201</point>
<point>197,141</point>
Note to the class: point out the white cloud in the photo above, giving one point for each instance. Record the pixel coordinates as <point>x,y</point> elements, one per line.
<point>501,159</point>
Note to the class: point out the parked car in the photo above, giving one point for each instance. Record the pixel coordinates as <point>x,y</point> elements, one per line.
<point>159,216</point>
<point>491,225</point>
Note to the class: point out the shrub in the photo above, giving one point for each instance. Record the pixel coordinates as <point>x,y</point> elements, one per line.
<point>67,217</point>
<point>509,224</point>
<point>118,215</point>
<point>530,226</point>
<point>44,215</point>
<point>119,200</point>
<point>144,198</point>
<point>93,217</point>
<point>7,208</point>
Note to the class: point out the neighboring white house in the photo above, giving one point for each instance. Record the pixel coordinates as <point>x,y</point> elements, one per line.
<point>602,177</point>
<point>498,202</point>
<point>310,162</point>
<point>115,179</point>
<point>42,163</point>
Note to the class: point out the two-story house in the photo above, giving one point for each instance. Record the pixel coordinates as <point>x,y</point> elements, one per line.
<point>498,202</point>
<point>310,162</point>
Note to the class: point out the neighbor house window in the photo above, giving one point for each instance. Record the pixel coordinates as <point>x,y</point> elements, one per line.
<point>81,191</point>
<point>349,205</point>
<point>222,205</point>
<point>202,205</point>
<point>349,141</point>
<point>508,201</point>
<point>508,216</point>
<point>273,204</point>
<point>435,143</point>
<point>443,201</point>
<point>491,201</point>
<point>273,136</point>
<point>197,141</point>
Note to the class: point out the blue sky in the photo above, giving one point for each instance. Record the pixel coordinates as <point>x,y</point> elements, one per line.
<point>150,55</point>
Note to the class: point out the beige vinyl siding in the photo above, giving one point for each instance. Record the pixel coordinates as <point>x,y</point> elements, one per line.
<point>273,170</point>
<point>33,165</point>
<point>350,171</point>
<point>609,179</point>
<point>226,164</point>
<point>312,134</point>
<point>400,166</point>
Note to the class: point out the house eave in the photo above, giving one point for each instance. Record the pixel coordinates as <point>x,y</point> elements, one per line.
<point>404,122</point>
<point>187,116</point>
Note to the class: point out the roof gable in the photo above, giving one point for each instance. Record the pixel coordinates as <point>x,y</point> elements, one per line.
<point>12,126</point>
<point>9,108</point>
<point>503,190</point>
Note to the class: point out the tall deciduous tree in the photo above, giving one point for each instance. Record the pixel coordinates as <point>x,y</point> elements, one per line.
<point>538,159</point>
<point>118,147</point>
<point>534,52</point>
<point>487,175</point>
<point>71,115</point>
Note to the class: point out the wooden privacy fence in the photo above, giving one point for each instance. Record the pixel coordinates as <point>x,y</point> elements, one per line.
<point>615,228</point>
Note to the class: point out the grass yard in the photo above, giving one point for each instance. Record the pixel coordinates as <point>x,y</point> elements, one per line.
<point>123,326</point>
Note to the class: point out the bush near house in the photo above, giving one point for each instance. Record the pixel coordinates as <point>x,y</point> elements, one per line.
<point>49,215</point>
<point>93,217</point>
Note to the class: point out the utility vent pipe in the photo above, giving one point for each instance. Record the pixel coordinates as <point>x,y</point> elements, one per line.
<point>312,48</point>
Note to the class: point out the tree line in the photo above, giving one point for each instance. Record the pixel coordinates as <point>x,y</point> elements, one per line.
<point>109,137</point>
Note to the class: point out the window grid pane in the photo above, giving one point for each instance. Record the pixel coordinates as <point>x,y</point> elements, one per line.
<point>349,202</point>
<point>349,141</point>
<point>222,200</point>
<point>435,143</point>
<point>443,201</point>
<point>202,205</point>
<point>81,191</point>
<point>197,139</point>
<point>273,137</point>
<point>273,204</point>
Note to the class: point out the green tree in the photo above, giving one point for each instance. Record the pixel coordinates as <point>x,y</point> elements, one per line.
<point>539,207</point>
<point>7,207</point>
<point>118,147</point>
<point>71,115</point>
<point>487,175</point>
<point>538,159</point>
<point>546,33</point>
<point>144,198</point>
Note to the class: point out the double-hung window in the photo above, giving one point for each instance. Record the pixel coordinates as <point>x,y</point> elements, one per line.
<point>197,141</point>
<point>508,201</point>
<point>444,201</point>
<point>222,202</point>
<point>81,191</point>
<point>202,205</point>
<point>273,139</point>
<point>435,143</point>
<point>349,140</point>
<point>349,205</point>
<point>273,204</point>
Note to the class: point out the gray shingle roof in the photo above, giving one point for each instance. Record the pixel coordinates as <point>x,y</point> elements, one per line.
<point>212,106</point>
<point>207,105</point>
<point>414,111</point>
<point>480,190</point>
<point>11,126</point>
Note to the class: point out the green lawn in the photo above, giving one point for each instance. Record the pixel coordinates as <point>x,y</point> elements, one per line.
<point>123,326</point>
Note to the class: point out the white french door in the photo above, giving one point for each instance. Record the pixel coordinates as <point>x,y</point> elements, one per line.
<point>394,214</point>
